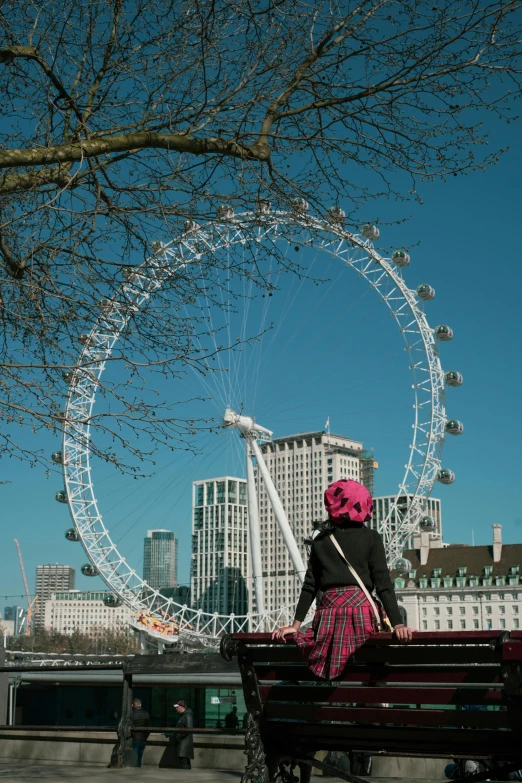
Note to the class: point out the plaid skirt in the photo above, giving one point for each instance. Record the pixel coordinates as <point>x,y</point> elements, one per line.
<point>342,622</point>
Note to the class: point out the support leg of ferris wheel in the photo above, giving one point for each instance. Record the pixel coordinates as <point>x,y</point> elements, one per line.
<point>253,529</point>
<point>280,514</point>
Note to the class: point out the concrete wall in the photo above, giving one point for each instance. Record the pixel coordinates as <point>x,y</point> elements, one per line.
<point>211,752</point>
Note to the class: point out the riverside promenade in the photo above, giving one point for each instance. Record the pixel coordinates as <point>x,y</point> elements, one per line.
<point>47,773</point>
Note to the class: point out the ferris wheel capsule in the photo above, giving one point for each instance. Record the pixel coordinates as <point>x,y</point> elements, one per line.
<point>426,292</point>
<point>72,534</point>
<point>428,524</point>
<point>57,457</point>
<point>369,231</point>
<point>85,339</point>
<point>454,427</point>
<point>131,274</point>
<point>300,205</point>
<point>67,375</point>
<point>61,496</point>
<point>444,333</point>
<point>402,565</point>
<point>453,378</point>
<point>89,570</point>
<point>263,206</point>
<point>60,415</point>
<point>336,214</point>
<point>401,258</point>
<point>224,212</point>
<point>106,305</point>
<point>112,601</point>
<point>445,476</point>
<point>190,225</point>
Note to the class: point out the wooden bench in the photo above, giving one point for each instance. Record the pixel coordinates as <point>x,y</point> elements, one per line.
<point>428,686</point>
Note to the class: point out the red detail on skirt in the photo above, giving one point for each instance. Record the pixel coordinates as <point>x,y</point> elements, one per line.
<point>342,622</point>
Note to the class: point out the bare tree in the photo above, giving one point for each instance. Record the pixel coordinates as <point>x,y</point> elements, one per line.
<point>124,118</point>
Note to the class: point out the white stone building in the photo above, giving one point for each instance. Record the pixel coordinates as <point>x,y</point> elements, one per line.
<point>462,588</point>
<point>52,578</point>
<point>220,568</point>
<point>84,611</point>
<point>302,466</point>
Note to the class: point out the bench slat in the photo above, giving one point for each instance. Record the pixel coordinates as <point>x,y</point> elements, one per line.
<point>409,717</point>
<point>400,674</point>
<point>448,743</point>
<point>397,695</point>
<point>394,655</point>
<point>419,637</point>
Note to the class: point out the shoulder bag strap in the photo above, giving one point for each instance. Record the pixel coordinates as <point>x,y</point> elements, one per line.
<point>359,581</point>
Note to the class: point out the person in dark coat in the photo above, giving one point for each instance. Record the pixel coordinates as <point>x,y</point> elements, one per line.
<point>184,740</point>
<point>140,721</point>
<point>231,719</point>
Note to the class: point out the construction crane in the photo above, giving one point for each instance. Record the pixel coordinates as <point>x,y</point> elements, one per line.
<point>30,603</point>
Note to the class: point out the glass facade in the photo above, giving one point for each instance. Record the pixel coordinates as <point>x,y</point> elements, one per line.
<point>160,559</point>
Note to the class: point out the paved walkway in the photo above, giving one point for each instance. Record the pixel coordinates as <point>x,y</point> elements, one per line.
<point>13,772</point>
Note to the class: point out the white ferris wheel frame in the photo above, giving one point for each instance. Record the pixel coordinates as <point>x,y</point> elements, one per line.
<point>356,252</point>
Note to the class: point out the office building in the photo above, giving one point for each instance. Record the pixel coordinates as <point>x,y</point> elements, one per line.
<point>462,588</point>
<point>17,616</point>
<point>220,568</point>
<point>302,466</point>
<point>50,579</point>
<point>86,612</point>
<point>382,505</point>
<point>160,559</point>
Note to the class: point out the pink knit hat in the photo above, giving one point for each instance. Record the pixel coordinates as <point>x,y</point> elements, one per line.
<point>348,500</point>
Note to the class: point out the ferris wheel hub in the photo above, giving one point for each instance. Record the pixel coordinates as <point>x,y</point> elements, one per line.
<point>246,425</point>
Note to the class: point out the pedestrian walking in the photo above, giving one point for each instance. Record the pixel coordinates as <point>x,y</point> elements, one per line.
<point>347,562</point>
<point>140,734</point>
<point>231,719</point>
<point>184,740</point>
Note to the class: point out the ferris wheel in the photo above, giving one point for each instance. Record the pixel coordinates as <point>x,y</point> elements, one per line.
<point>429,429</point>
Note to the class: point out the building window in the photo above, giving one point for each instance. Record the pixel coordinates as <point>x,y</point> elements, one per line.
<point>516,623</point>
<point>502,609</point>
<point>488,609</point>
<point>449,610</point>
<point>475,623</point>
<point>462,571</point>
<point>450,625</point>
<point>502,623</point>
<point>462,610</point>
<point>463,624</point>
<point>475,610</point>
<point>437,625</point>
<point>436,610</point>
<point>424,611</point>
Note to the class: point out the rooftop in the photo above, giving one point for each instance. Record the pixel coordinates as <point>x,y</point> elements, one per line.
<point>474,558</point>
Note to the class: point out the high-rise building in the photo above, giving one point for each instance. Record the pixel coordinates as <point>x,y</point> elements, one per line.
<point>17,615</point>
<point>382,505</point>
<point>457,587</point>
<point>84,611</point>
<point>50,579</point>
<point>160,559</point>
<point>220,566</point>
<point>302,466</point>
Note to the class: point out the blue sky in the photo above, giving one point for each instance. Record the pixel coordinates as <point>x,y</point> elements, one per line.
<point>337,354</point>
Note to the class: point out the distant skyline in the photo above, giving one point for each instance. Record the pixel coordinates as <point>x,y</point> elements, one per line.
<point>338,357</point>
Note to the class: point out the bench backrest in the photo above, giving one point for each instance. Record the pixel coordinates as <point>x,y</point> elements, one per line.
<point>434,686</point>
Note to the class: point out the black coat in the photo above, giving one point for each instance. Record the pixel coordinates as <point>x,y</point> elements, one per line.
<point>184,740</point>
<point>140,719</point>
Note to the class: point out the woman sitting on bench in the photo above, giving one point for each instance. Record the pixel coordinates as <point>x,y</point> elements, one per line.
<point>347,562</point>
